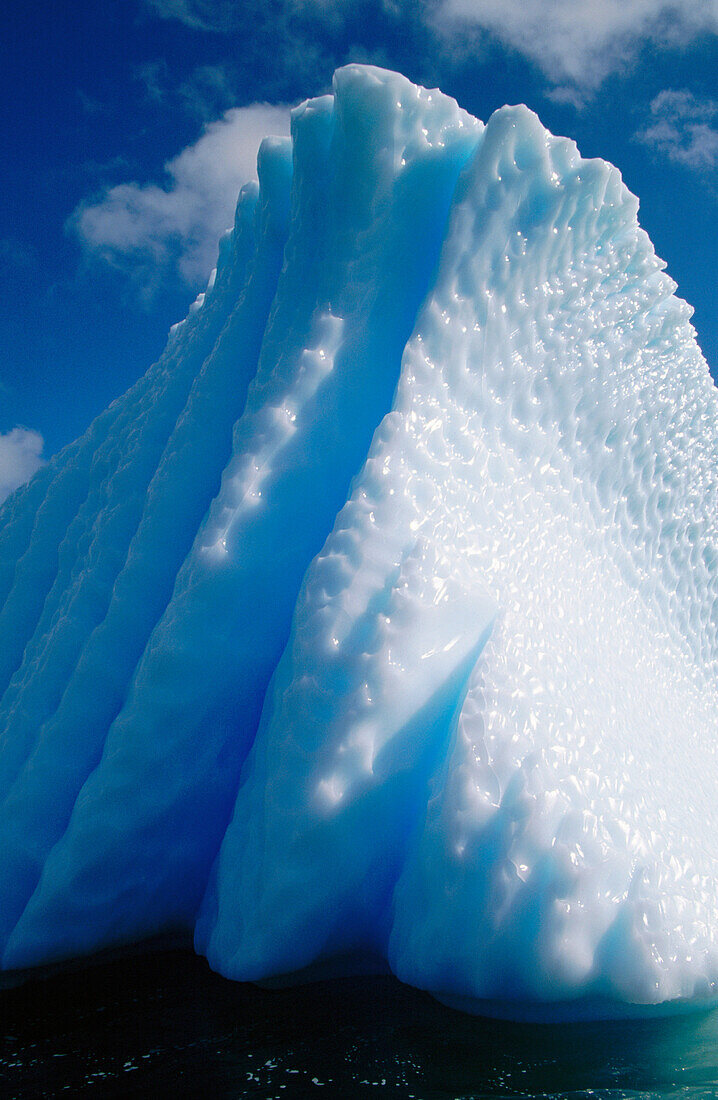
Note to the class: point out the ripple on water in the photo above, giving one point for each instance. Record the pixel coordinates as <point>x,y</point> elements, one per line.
<point>165,1025</point>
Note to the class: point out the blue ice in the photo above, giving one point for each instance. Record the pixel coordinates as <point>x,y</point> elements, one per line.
<point>380,618</point>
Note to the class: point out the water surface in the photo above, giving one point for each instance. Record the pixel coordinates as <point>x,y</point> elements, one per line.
<point>165,1026</point>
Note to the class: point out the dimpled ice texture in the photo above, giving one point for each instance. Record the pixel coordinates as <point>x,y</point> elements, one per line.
<point>473,733</point>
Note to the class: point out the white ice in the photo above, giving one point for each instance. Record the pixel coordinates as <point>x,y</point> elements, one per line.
<point>444,696</point>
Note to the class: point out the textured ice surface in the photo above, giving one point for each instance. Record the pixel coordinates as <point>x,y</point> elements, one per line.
<point>447,694</point>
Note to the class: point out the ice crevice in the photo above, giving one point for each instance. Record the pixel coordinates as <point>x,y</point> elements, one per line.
<point>381,615</point>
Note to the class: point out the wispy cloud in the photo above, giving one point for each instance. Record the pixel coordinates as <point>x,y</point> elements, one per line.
<point>575,43</point>
<point>683,128</point>
<point>205,93</point>
<point>205,15</point>
<point>579,42</point>
<point>152,229</point>
<point>20,457</point>
<point>16,256</point>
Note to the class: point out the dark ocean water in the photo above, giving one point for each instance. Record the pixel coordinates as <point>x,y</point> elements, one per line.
<point>164,1026</point>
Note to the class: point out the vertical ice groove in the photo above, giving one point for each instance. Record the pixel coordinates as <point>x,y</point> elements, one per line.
<point>375,169</point>
<point>75,492</point>
<point>338,775</point>
<point>17,517</point>
<point>82,688</point>
<point>74,661</point>
<point>31,539</point>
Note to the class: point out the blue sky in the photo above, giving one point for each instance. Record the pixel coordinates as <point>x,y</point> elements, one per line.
<point>130,124</point>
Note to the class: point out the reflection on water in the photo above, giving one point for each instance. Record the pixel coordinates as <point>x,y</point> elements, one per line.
<point>165,1026</point>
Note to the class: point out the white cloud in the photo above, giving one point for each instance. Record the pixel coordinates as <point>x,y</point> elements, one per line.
<point>580,42</point>
<point>683,128</point>
<point>20,457</point>
<point>151,228</point>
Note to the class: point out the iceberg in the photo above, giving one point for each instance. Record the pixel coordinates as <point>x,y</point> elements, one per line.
<point>378,621</point>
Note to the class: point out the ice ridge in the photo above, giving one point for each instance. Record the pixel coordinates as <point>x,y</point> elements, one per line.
<point>380,617</point>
